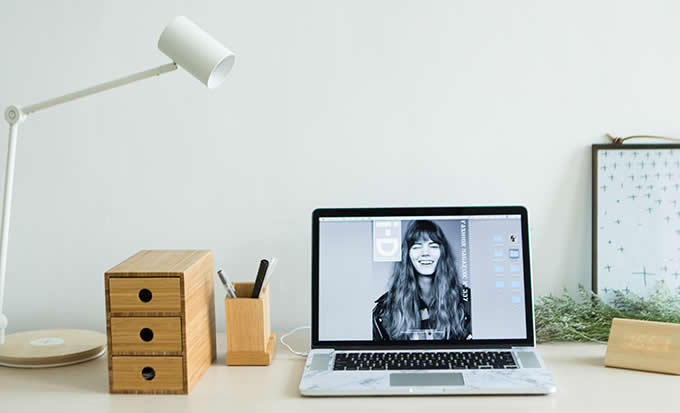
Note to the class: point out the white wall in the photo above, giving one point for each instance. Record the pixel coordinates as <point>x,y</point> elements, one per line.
<point>345,103</point>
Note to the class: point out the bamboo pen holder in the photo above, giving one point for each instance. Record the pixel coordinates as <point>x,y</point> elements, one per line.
<point>250,341</point>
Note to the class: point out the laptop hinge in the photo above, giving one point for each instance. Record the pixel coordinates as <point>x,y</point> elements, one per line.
<point>523,348</point>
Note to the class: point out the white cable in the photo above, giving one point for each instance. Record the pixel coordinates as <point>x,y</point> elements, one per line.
<point>297,353</point>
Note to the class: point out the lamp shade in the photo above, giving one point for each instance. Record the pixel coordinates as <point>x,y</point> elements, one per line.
<point>196,51</point>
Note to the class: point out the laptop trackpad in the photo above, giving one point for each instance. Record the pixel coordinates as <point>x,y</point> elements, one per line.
<point>320,362</point>
<point>426,379</point>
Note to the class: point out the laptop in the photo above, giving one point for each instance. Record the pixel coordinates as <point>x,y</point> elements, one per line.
<point>422,301</point>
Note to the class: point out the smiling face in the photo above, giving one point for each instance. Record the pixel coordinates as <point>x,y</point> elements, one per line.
<point>424,254</point>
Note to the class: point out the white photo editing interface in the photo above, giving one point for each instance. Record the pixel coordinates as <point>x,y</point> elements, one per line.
<point>448,278</point>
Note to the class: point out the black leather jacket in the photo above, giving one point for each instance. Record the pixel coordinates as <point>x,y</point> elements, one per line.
<point>379,311</point>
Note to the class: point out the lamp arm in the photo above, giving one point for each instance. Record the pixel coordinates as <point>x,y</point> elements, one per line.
<point>27,110</point>
<point>14,116</point>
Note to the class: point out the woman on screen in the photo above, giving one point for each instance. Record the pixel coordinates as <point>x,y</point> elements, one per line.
<point>425,299</point>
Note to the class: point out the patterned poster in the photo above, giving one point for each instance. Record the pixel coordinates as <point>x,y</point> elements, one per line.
<point>637,196</point>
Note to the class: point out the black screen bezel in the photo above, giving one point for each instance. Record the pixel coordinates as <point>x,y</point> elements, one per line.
<point>422,211</point>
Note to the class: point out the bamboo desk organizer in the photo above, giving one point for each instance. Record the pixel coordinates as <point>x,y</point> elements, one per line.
<point>160,316</point>
<point>250,341</point>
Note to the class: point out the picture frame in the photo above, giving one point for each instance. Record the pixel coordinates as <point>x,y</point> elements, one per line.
<point>635,218</point>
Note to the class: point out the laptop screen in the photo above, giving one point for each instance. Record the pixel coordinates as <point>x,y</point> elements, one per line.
<point>428,278</point>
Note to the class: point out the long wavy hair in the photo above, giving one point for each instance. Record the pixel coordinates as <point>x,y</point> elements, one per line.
<point>446,309</point>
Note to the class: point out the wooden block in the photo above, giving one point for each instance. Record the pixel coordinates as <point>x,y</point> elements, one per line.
<point>146,335</point>
<point>147,375</point>
<point>644,345</point>
<point>178,308</point>
<point>249,337</point>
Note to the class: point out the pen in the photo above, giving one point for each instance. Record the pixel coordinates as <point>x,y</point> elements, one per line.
<point>261,271</point>
<point>270,271</point>
<point>227,284</point>
<point>233,289</point>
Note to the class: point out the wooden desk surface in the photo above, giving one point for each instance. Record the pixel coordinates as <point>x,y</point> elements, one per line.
<point>583,385</point>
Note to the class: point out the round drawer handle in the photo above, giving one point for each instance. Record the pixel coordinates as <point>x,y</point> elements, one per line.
<point>148,373</point>
<point>146,334</point>
<point>145,295</point>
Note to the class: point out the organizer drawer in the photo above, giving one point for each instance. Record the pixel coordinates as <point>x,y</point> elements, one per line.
<point>146,334</point>
<point>144,374</point>
<point>144,295</point>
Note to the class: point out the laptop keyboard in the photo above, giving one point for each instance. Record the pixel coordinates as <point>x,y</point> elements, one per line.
<point>444,360</point>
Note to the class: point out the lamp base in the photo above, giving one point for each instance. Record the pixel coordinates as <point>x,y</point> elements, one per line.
<point>51,348</point>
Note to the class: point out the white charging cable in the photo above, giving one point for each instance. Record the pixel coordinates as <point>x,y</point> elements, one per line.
<point>297,353</point>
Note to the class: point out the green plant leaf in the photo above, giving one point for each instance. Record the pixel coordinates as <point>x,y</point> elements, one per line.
<point>589,318</point>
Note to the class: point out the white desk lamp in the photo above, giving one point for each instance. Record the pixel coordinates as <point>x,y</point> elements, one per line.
<point>190,48</point>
